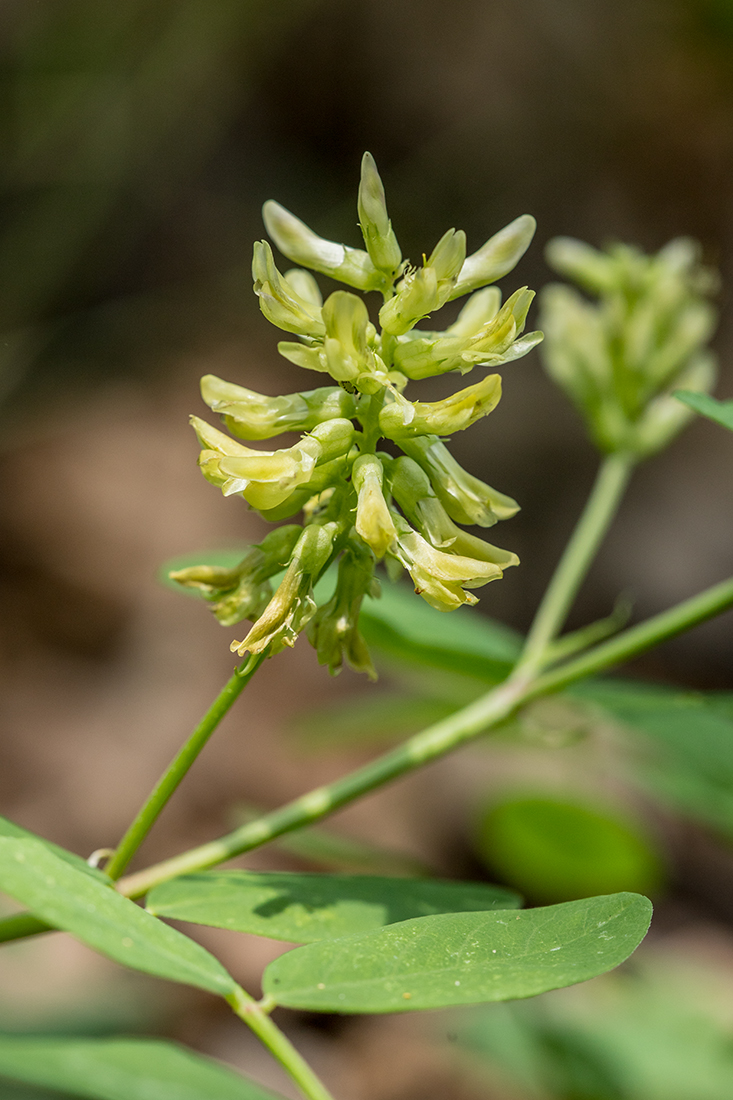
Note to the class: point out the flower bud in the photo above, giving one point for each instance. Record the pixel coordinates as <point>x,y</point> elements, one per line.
<point>292,606</point>
<point>300,244</point>
<point>465,498</point>
<point>453,414</point>
<point>376,227</point>
<point>251,415</point>
<point>244,591</point>
<point>496,257</point>
<point>373,520</point>
<point>278,301</point>
<point>441,579</point>
<point>334,629</point>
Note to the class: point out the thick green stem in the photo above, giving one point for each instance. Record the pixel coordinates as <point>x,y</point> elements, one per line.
<point>179,767</point>
<point>437,740</point>
<point>600,509</point>
<point>278,1044</point>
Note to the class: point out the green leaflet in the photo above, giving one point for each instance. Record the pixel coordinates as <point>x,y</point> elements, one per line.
<point>97,915</point>
<point>461,958</point>
<point>304,908</point>
<point>407,629</point>
<point>10,829</point>
<point>122,1069</point>
<point>719,411</point>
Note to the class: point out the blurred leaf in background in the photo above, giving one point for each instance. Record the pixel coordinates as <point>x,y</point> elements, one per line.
<point>557,849</point>
<point>660,1030</point>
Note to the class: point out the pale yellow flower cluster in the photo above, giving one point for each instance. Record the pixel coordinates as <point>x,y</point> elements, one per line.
<point>621,358</point>
<point>362,499</point>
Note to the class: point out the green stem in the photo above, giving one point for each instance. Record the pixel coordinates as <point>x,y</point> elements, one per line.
<point>436,740</point>
<point>599,511</point>
<point>179,767</point>
<point>420,749</point>
<point>278,1044</point>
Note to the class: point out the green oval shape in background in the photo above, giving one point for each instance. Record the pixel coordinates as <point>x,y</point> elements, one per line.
<point>557,850</point>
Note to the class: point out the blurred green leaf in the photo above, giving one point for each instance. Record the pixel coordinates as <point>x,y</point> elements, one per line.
<point>97,915</point>
<point>407,629</point>
<point>122,1069</point>
<point>687,747</point>
<point>304,908</point>
<point>371,719</point>
<point>461,958</point>
<point>558,850</point>
<point>719,411</point>
<point>337,852</point>
<point>634,1036</point>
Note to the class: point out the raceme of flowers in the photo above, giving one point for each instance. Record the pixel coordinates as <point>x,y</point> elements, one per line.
<point>362,500</point>
<point>621,359</point>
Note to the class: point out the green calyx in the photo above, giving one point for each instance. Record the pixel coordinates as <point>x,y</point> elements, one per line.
<point>359,504</point>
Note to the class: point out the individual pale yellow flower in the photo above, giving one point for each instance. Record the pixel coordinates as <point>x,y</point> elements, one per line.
<point>373,519</point>
<point>452,414</point>
<point>465,498</point>
<point>440,578</point>
<point>251,415</point>
<point>267,478</point>
<point>413,492</point>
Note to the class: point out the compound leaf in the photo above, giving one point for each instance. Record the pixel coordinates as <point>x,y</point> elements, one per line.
<point>304,908</point>
<point>461,958</point>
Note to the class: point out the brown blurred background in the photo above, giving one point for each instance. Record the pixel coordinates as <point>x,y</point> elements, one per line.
<point>139,140</point>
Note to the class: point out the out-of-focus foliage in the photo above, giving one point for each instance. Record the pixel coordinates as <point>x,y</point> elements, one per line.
<point>557,850</point>
<point>660,1030</point>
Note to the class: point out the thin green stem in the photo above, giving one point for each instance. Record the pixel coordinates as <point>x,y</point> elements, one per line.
<point>278,1044</point>
<point>436,740</point>
<point>600,509</point>
<point>179,766</point>
<point>567,645</point>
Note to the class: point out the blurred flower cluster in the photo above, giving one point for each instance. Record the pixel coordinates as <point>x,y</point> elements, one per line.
<point>620,360</point>
<point>362,499</point>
